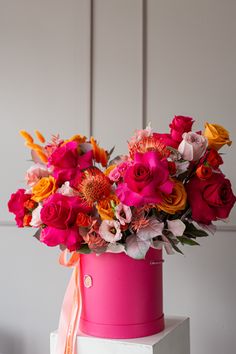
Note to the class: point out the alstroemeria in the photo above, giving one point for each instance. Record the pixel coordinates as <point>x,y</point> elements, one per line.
<point>145,180</point>
<point>110,230</point>
<point>123,214</point>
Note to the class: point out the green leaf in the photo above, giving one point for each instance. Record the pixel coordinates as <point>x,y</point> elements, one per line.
<point>173,244</point>
<point>84,249</point>
<point>192,232</point>
<point>187,241</point>
<point>37,234</point>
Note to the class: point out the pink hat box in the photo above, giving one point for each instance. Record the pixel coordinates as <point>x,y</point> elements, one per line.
<point>121,296</point>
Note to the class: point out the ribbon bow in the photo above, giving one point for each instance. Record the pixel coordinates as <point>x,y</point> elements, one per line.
<point>69,317</point>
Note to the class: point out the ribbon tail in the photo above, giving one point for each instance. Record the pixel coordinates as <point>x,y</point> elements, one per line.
<point>69,317</point>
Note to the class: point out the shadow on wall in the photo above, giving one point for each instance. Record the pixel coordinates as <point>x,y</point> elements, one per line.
<point>11,343</point>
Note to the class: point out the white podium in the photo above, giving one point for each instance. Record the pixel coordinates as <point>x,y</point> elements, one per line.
<point>173,340</point>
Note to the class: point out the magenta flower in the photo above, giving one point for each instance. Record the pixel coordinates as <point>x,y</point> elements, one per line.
<point>145,180</point>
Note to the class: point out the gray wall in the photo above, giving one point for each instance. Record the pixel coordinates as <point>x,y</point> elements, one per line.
<point>67,69</point>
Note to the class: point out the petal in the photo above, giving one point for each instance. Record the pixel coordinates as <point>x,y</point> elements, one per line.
<point>177,227</point>
<point>153,229</point>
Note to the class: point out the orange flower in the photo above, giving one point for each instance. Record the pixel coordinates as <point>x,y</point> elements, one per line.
<point>28,138</point>
<point>40,136</point>
<point>216,135</point>
<point>175,201</point>
<point>94,185</point>
<point>148,143</point>
<point>26,220</point>
<point>43,188</point>
<point>109,169</point>
<point>30,204</point>
<point>104,207</point>
<point>100,155</point>
<point>204,172</point>
<point>83,220</point>
<point>80,139</point>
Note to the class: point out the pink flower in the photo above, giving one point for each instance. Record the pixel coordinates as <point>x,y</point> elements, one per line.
<point>60,211</point>
<point>118,172</point>
<point>166,140</point>
<point>70,237</point>
<point>139,135</point>
<point>16,205</point>
<point>123,214</point>
<point>110,231</point>
<point>35,173</point>
<point>145,180</point>
<point>193,146</point>
<point>180,125</point>
<point>67,162</point>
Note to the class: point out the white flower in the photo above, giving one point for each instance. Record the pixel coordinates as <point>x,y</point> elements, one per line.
<point>36,218</point>
<point>193,146</point>
<point>123,214</point>
<point>110,231</point>
<point>66,190</point>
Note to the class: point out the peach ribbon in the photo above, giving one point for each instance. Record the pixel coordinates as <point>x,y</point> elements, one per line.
<point>69,318</point>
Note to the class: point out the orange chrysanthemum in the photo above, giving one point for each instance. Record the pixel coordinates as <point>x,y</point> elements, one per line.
<point>149,143</point>
<point>94,185</point>
<point>100,155</point>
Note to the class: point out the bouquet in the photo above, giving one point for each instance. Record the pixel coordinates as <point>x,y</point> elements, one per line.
<point>164,192</point>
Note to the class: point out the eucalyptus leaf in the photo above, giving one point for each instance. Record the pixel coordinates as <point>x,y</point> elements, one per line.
<point>37,234</point>
<point>187,241</point>
<point>136,248</point>
<point>84,249</point>
<point>193,232</point>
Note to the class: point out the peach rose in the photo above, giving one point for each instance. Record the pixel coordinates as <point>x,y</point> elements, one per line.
<point>216,135</point>
<point>44,188</point>
<point>176,201</point>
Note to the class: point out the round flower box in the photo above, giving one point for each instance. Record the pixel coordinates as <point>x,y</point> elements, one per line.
<point>121,296</point>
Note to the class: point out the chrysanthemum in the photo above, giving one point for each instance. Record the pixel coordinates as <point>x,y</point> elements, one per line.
<point>94,185</point>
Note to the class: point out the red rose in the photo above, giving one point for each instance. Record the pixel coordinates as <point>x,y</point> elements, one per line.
<point>166,139</point>
<point>214,159</point>
<point>60,211</point>
<point>69,237</point>
<point>210,199</point>
<point>180,125</point>
<point>16,206</point>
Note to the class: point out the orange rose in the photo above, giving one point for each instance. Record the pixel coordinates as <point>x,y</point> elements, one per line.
<point>105,209</point>
<point>216,135</point>
<point>175,201</point>
<point>83,220</point>
<point>204,172</point>
<point>44,188</point>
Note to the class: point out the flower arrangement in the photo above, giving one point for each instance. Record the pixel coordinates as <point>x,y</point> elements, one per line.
<point>166,191</point>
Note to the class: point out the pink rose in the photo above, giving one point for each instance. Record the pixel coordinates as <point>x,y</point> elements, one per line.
<point>69,237</point>
<point>180,125</point>
<point>210,199</point>
<point>60,211</point>
<point>193,146</point>
<point>35,173</point>
<point>67,162</point>
<point>16,205</point>
<point>145,180</point>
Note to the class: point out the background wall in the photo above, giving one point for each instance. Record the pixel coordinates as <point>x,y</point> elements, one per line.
<point>107,67</point>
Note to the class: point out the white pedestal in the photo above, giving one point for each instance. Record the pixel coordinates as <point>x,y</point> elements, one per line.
<point>173,340</point>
